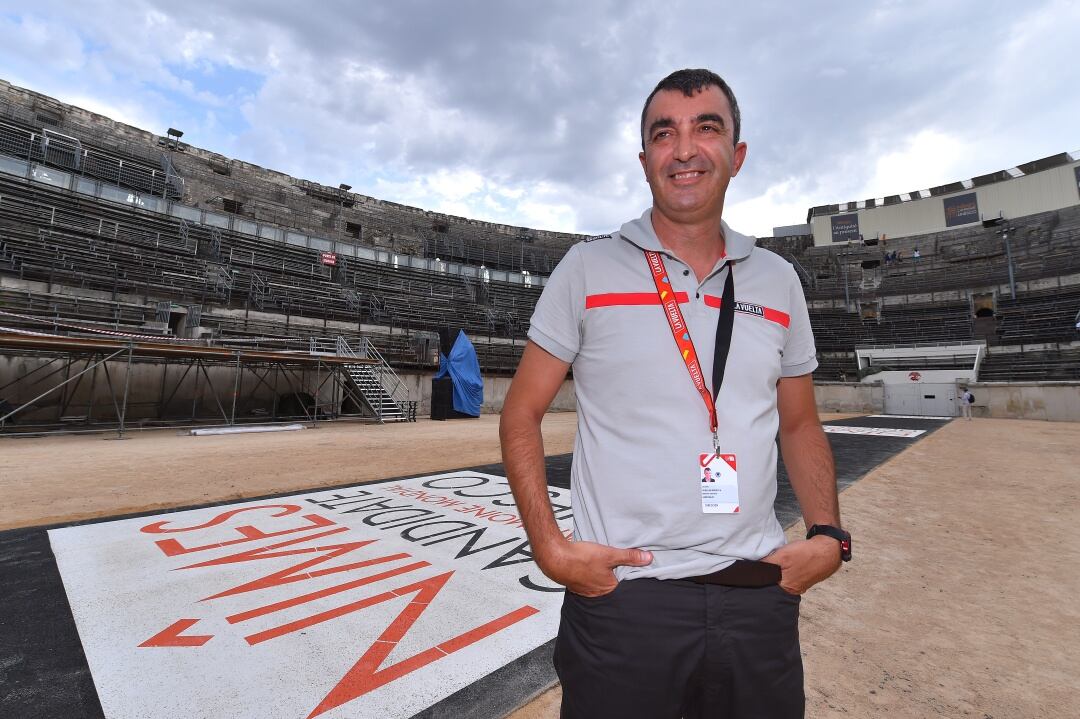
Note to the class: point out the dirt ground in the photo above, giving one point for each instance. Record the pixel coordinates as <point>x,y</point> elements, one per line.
<point>960,601</point>
<point>69,478</point>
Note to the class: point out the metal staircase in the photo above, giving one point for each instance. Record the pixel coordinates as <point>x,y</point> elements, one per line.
<point>174,184</point>
<point>260,293</point>
<point>220,279</point>
<point>8,259</point>
<point>375,385</point>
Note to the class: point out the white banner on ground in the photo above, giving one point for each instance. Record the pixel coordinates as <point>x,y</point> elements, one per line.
<point>873,431</point>
<point>377,600</point>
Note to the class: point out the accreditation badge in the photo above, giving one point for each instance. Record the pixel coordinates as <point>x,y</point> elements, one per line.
<point>719,483</point>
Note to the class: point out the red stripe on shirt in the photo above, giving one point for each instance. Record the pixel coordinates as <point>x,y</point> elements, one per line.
<point>780,318</point>
<point>777,316</point>
<point>616,299</point>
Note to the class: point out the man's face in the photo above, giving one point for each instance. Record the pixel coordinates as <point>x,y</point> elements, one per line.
<point>689,156</point>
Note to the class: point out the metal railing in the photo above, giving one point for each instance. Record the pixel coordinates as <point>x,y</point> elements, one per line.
<point>916,345</point>
<point>388,379</point>
<point>274,235</point>
<point>386,375</point>
<point>59,150</point>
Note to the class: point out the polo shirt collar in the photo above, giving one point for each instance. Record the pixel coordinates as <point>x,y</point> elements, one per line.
<point>640,232</point>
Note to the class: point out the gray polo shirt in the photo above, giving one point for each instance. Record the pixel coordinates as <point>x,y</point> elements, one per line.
<point>641,423</point>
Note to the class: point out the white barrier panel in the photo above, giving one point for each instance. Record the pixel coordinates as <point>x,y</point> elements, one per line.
<point>873,431</point>
<point>907,416</point>
<point>377,600</point>
<point>214,431</point>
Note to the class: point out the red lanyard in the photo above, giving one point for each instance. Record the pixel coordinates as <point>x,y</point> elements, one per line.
<point>681,333</point>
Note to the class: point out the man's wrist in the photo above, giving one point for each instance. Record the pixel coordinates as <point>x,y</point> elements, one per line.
<point>840,536</point>
<point>547,552</point>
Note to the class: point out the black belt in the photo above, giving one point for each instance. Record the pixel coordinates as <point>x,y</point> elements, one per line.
<point>743,573</point>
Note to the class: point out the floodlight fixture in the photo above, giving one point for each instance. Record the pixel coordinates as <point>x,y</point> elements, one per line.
<point>174,136</point>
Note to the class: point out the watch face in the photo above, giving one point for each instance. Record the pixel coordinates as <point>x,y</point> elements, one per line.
<point>838,534</point>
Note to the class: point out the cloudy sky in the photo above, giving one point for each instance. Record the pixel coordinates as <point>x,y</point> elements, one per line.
<point>527,112</point>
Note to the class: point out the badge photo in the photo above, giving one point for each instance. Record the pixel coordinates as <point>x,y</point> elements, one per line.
<point>719,483</point>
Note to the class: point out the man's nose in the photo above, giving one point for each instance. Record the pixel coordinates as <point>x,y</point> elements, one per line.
<point>686,148</point>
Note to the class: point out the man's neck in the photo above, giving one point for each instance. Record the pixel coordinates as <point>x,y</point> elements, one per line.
<point>700,245</point>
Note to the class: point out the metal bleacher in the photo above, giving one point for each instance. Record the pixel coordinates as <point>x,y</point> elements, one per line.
<point>109,264</point>
<point>148,172</point>
<point>69,241</point>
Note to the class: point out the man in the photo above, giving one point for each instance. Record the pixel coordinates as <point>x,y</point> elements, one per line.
<point>667,612</point>
<point>966,400</point>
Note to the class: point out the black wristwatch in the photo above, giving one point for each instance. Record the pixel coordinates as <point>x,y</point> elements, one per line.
<point>838,534</point>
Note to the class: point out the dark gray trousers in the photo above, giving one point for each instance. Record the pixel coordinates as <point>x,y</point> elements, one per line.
<point>665,649</point>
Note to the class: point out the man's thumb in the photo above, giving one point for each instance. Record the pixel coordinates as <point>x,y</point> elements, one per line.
<point>632,557</point>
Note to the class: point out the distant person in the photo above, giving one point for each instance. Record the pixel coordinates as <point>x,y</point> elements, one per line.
<point>966,400</point>
<point>915,254</point>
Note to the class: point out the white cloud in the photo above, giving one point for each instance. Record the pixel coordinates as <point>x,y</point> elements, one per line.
<point>528,114</point>
<point>780,204</point>
<point>930,158</point>
<point>129,113</point>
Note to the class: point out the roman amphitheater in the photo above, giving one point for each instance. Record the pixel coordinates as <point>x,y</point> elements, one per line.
<point>205,363</point>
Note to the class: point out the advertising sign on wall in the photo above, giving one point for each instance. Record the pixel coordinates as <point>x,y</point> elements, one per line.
<point>961,210</point>
<point>845,228</point>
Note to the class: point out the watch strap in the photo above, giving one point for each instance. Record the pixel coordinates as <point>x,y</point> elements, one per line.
<point>836,533</point>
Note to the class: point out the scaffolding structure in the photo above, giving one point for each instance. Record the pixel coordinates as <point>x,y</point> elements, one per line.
<point>47,395</point>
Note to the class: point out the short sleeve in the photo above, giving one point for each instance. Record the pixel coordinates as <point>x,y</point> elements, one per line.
<point>800,354</point>
<point>556,321</point>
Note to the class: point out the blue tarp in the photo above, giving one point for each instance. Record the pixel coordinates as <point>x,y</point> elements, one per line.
<point>464,370</point>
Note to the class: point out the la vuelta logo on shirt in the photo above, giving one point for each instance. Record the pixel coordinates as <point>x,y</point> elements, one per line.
<point>747,308</point>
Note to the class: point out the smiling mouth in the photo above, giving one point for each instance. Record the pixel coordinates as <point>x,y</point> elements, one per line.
<point>687,175</point>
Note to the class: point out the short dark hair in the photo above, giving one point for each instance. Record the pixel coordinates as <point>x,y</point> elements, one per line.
<point>691,81</point>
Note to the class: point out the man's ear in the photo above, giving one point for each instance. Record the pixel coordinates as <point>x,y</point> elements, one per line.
<point>740,158</point>
<point>644,167</point>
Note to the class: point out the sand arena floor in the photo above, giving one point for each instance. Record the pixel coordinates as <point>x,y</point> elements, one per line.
<point>961,601</point>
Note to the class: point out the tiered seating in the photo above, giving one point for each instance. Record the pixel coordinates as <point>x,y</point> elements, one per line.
<point>836,367</point>
<point>122,166</point>
<point>479,248</point>
<point>57,312</point>
<point>836,330</point>
<point>1042,245</point>
<point>53,236</point>
<point>910,324</point>
<point>123,260</point>
<point>1038,365</point>
<point>1038,317</point>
